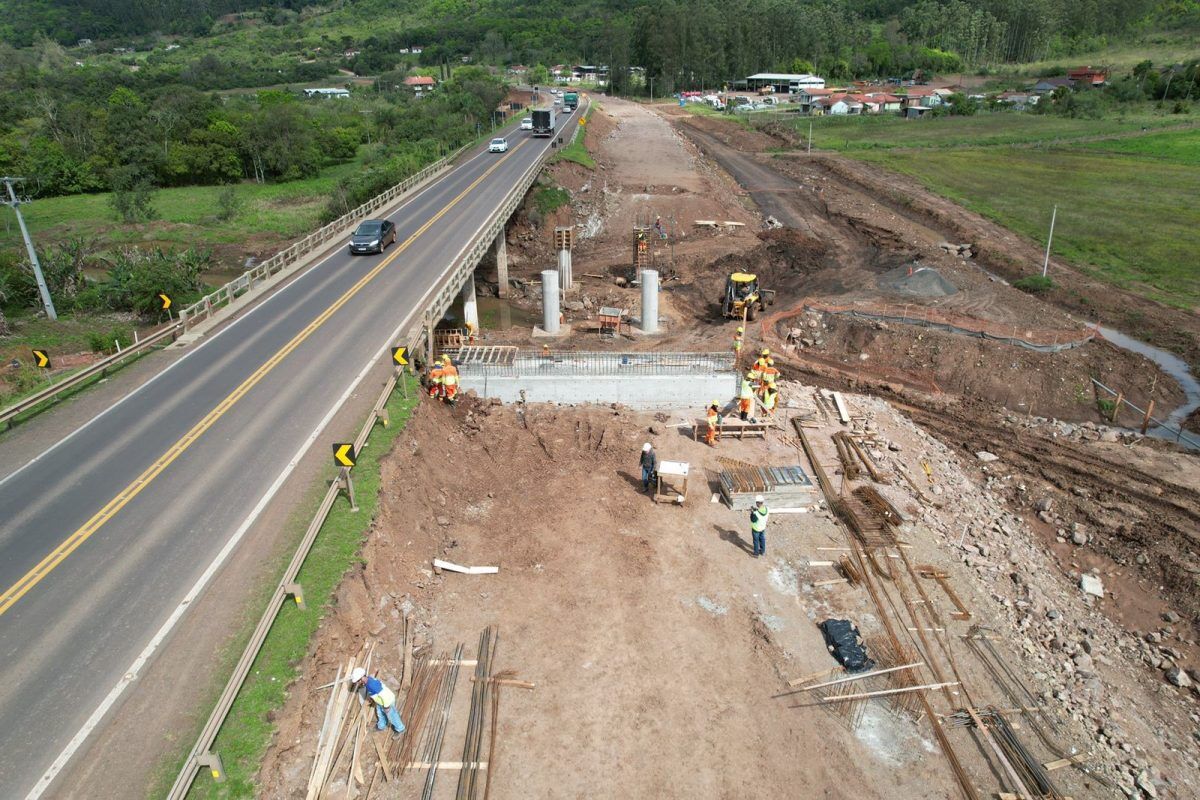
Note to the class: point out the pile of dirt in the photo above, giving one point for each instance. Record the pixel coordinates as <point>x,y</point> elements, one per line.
<point>916,281</point>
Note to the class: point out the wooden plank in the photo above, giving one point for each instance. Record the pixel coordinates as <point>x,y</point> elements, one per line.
<point>383,762</point>
<point>830,582</point>
<point>842,410</point>
<point>450,566</point>
<point>1066,762</point>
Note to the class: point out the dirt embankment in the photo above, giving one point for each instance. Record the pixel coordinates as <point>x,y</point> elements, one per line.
<point>844,251</point>
<point>1012,256</point>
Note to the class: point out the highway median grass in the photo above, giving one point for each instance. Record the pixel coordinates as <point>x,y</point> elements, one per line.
<point>248,729</point>
<point>576,150</point>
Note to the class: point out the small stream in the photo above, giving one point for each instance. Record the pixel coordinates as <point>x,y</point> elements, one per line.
<point>1169,363</point>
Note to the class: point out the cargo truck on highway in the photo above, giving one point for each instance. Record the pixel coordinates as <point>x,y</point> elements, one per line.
<point>570,101</point>
<point>543,122</point>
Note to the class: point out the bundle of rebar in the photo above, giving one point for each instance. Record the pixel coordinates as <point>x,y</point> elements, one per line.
<point>433,749</point>
<point>468,777</point>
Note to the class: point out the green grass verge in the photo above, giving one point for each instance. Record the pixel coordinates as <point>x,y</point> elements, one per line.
<point>187,216</point>
<point>576,150</point>
<point>550,198</point>
<point>1127,219</point>
<point>886,132</point>
<point>247,731</point>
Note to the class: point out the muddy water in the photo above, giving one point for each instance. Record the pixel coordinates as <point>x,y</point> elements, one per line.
<point>1169,363</point>
<point>500,315</point>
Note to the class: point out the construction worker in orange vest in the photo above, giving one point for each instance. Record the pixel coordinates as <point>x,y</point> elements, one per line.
<point>769,375</point>
<point>713,417</point>
<point>436,374</point>
<point>449,380</point>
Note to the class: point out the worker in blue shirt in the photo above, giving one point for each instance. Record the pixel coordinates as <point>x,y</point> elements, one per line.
<point>383,698</point>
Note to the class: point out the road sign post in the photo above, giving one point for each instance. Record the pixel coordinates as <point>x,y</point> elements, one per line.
<point>345,457</point>
<point>400,361</point>
<point>41,359</point>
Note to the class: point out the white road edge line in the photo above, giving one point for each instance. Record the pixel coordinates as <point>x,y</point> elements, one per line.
<point>143,658</point>
<point>207,339</point>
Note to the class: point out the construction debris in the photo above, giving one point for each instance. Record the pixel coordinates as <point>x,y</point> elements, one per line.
<point>452,567</point>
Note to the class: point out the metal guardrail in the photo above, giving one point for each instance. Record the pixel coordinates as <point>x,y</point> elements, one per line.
<point>201,754</point>
<point>441,295</point>
<point>99,368</point>
<point>285,259</point>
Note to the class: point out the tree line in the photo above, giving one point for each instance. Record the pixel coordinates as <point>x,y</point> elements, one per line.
<point>71,131</point>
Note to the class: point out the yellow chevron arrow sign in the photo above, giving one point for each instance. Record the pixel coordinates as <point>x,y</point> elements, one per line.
<point>41,358</point>
<point>344,455</point>
<point>166,301</point>
<point>398,356</point>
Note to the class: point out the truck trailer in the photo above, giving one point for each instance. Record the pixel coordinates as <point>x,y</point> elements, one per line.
<point>570,100</point>
<point>543,122</point>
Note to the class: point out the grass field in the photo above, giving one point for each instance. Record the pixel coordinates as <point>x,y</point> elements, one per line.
<point>1177,147</point>
<point>1126,208</point>
<point>985,129</point>
<point>270,214</point>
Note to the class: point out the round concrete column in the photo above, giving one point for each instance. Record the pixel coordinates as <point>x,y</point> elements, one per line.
<point>550,301</point>
<point>649,301</point>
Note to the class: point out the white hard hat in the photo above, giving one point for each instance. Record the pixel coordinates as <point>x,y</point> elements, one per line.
<point>758,498</point>
<point>646,447</point>
<point>357,674</point>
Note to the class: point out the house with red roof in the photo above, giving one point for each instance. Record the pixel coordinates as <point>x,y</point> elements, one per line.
<point>1088,76</point>
<point>420,84</point>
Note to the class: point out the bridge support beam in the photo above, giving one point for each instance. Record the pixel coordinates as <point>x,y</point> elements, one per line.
<point>470,306</point>
<point>502,264</point>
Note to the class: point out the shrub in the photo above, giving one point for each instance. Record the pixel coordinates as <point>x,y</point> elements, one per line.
<point>229,203</point>
<point>105,342</point>
<point>1034,284</point>
<point>549,198</point>
<point>132,196</point>
<point>137,277</point>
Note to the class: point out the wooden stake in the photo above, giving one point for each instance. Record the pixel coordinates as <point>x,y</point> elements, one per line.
<point>1066,762</point>
<point>861,675</point>
<point>884,692</point>
<point>1146,419</point>
<point>408,652</point>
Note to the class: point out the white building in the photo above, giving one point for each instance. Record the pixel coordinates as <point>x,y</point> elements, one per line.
<point>784,82</point>
<point>339,94</point>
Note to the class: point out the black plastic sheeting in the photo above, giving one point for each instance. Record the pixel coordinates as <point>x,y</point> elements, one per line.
<point>846,645</point>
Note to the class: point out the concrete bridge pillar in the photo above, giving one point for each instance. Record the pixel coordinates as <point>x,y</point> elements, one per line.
<point>649,301</point>
<point>502,264</point>
<point>550,301</point>
<point>470,306</point>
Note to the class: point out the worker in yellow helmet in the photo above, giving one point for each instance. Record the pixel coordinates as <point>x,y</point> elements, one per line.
<point>746,398</point>
<point>769,375</point>
<point>713,417</point>
<point>770,399</point>
<point>449,380</point>
<point>738,341</point>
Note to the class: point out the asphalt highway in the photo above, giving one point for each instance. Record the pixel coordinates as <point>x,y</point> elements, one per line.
<point>103,534</point>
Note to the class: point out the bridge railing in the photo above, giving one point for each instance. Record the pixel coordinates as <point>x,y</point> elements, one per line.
<point>291,256</point>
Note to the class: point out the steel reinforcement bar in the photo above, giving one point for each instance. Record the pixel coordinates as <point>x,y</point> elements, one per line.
<point>99,368</point>
<point>201,754</point>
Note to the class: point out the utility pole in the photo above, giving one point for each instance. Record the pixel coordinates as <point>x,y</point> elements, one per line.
<point>37,267</point>
<point>810,137</point>
<point>1049,239</point>
<point>651,79</point>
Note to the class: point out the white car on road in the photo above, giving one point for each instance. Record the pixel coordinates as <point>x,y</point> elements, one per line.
<point>527,124</point>
<point>499,145</point>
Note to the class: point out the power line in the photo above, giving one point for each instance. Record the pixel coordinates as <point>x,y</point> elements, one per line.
<point>15,204</point>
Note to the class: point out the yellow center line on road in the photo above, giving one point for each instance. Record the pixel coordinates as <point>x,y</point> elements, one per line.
<point>72,542</point>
